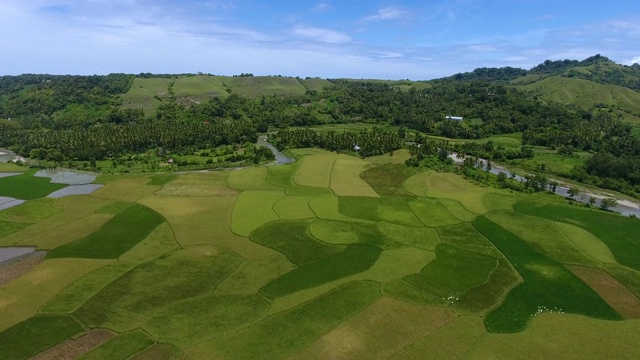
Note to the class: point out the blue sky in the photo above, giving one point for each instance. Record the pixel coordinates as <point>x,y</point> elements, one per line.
<point>357,39</point>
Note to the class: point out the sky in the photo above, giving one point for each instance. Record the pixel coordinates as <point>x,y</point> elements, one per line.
<point>401,39</point>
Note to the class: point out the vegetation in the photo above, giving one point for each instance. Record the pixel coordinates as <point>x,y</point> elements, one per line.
<point>373,243</point>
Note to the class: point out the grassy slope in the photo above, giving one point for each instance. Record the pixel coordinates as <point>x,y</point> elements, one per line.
<point>588,94</point>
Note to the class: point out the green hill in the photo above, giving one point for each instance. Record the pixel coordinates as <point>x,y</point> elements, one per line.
<point>588,95</point>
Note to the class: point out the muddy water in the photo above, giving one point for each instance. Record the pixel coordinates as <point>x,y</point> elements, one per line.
<point>85,189</point>
<point>280,157</point>
<point>9,253</point>
<point>67,177</point>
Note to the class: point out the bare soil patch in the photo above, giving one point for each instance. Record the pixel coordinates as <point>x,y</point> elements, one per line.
<point>610,289</point>
<point>14,270</point>
<point>74,348</point>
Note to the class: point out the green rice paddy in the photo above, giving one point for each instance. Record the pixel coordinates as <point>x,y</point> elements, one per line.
<point>330,256</point>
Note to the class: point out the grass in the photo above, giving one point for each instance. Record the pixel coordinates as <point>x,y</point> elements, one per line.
<point>27,187</point>
<point>554,336</point>
<point>398,157</point>
<point>199,318</point>
<point>9,227</point>
<point>117,236</point>
<point>36,334</point>
<point>315,170</point>
<point>344,233</point>
<point>453,271</point>
<point>198,185</point>
<point>67,233</point>
<point>587,242</point>
<point>417,184</point>
<point>379,331</point>
<point>138,296</point>
<point>160,180</point>
<point>282,176</point>
<point>84,288</point>
<point>251,179</point>
<point>486,296</point>
<point>345,178</point>
<point>158,352</point>
<point>465,236</point>
<point>31,211</point>
<point>359,207</point>
<point>420,238</point>
<point>612,291</point>
<point>547,286</point>
<point>200,87</point>
<point>295,329</point>
<point>327,207</point>
<point>142,94</point>
<point>121,347</point>
<point>432,213</point>
<point>352,260</point>
<point>253,274</point>
<point>396,210</point>
<point>114,208</point>
<point>126,188</point>
<point>391,265</point>
<point>294,208</point>
<point>45,215</point>
<point>544,236</point>
<point>254,209</point>
<point>11,167</point>
<point>452,341</point>
<point>620,234</point>
<point>197,220</point>
<point>292,238</point>
<point>21,298</point>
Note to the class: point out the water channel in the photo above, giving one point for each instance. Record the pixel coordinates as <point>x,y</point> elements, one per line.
<point>624,207</point>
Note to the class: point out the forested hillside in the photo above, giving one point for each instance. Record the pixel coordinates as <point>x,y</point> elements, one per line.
<point>568,106</point>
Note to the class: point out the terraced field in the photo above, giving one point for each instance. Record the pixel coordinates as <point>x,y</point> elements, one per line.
<point>328,257</point>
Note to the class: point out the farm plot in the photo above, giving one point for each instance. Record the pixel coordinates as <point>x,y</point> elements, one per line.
<point>117,236</point>
<point>27,187</point>
<point>315,170</point>
<point>31,336</point>
<point>295,329</point>
<point>547,286</point>
<point>21,298</point>
<point>432,213</point>
<point>141,293</point>
<point>345,178</point>
<point>620,234</point>
<point>254,209</point>
<point>382,329</point>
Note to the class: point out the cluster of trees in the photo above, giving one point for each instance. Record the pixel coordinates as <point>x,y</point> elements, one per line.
<point>107,140</point>
<point>367,143</point>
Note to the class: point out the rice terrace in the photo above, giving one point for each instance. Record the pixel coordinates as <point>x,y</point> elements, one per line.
<point>327,257</point>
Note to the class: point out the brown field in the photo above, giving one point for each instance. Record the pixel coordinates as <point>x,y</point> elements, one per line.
<point>15,270</point>
<point>384,328</point>
<point>76,347</point>
<point>614,293</point>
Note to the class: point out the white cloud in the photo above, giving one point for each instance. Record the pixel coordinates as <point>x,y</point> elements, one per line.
<point>387,13</point>
<point>635,60</point>
<point>322,35</point>
<point>322,7</point>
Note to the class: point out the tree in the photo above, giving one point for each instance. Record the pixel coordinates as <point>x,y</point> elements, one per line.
<point>592,200</point>
<point>573,192</point>
<point>608,203</point>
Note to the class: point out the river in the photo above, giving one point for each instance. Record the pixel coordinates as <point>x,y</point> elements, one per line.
<point>624,207</point>
<point>280,157</point>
